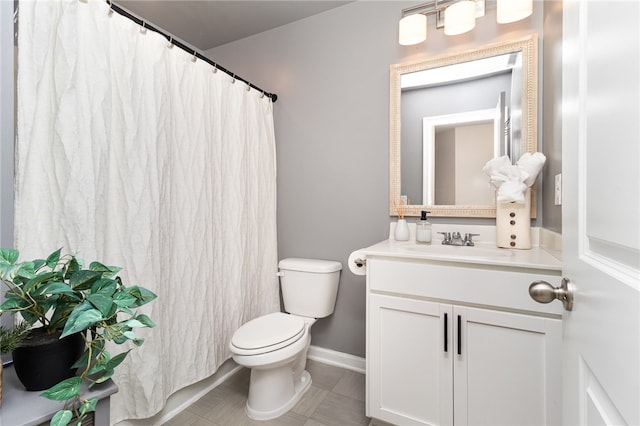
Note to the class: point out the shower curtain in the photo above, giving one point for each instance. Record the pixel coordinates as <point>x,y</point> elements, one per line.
<point>133,153</point>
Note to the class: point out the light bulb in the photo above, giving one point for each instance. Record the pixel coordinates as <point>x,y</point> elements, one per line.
<point>412,29</point>
<point>460,17</point>
<point>513,10</point>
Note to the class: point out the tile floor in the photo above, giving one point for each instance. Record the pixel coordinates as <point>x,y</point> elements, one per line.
<point>336,397</point>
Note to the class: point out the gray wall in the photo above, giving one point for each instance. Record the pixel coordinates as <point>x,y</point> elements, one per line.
<point>6,131</point>
<point>331,73</point>
<point>552,112</point>
<point>6,123</point>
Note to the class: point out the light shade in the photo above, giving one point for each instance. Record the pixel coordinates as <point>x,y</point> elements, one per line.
<point>412,29</point>
<point>460,17</point>
<point>513,10</point>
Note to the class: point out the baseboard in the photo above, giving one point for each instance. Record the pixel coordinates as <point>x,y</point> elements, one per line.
<point>338,359</point>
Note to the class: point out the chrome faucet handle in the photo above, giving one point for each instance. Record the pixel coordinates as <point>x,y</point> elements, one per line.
<point>446,238</point>
<point>468,239</point>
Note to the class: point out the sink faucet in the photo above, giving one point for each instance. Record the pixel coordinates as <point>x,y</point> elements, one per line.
<point>456,239</point>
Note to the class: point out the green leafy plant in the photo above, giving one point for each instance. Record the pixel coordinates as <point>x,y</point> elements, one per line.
<point>10,338</point>
<point>58,293</point>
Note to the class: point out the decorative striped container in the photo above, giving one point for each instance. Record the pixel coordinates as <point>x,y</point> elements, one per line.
<point>513,224</point>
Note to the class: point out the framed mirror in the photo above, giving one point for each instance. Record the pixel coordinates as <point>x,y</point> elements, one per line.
<point>449,116</point>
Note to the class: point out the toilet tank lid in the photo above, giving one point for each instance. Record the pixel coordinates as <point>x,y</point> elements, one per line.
<point>310,265</point>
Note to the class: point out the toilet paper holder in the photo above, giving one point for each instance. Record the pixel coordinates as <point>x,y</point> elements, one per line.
<point>358,263</point>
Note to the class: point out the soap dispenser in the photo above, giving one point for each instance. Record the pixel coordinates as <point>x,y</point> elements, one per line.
<point>423,229</point>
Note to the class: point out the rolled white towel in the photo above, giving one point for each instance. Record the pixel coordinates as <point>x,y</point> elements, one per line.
<point>511,192</point>
<point>532,164</point>
<point>494,165</point>
<point>507,173</point>
<point>509,182</point>
<point>492,169</point>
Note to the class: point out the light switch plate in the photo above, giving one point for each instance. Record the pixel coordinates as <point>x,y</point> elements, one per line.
<point>558,190</point>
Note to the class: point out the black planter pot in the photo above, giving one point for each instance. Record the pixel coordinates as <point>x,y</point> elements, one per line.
<point>45,360</point>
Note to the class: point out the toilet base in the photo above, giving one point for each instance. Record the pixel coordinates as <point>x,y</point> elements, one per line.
<point>265,404</point>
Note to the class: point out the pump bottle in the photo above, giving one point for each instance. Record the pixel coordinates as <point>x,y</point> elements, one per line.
<point>423,229</point>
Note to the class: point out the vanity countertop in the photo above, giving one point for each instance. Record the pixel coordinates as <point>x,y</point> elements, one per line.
<point>480,254</point>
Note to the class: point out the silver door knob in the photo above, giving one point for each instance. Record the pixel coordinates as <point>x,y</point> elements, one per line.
<point>543,292</point>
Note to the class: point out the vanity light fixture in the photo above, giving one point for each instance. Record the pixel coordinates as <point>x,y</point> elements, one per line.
<point>460,17</point>
<point>412,29</point>
<point>513,10</point>
<point>455,16</point>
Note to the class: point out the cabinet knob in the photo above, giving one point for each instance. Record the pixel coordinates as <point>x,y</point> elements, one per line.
<point>543,292</point>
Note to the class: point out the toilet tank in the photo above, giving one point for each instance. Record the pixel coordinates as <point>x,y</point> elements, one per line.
<point>309,286</point>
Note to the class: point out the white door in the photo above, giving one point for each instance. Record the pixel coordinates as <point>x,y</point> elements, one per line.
<point>600,214</point>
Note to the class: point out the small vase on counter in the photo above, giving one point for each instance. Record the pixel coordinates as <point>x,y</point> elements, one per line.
<point>401,231</point>
<point>423,229</point>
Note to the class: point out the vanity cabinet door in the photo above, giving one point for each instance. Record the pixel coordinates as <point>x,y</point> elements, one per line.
<point>508,370</point>
<point>409,372</point>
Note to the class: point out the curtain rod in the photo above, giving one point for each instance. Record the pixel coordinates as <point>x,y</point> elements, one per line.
<point>186,48</point>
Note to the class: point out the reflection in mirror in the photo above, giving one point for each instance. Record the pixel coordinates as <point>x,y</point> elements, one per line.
<point>455,149</point>
<point>451,115</point>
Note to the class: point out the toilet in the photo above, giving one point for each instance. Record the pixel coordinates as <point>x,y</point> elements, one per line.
<point>274,346</point>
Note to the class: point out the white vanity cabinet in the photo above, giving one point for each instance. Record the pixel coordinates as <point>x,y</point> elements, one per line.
<point>458,343</point>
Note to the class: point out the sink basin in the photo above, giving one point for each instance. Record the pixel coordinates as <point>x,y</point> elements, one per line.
<point>483,253</point>
<point>467,251</point>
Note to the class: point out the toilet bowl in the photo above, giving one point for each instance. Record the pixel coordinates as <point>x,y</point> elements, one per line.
<point>274,346</point>
<point>277,361</point>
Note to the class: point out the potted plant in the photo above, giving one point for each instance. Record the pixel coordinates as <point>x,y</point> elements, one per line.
<point>62,298</point>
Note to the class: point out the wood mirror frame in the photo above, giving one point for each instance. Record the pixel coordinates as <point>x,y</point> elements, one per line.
<point>529,48</point>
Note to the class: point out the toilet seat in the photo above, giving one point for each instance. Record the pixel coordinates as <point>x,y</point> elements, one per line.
<point>268,333</point>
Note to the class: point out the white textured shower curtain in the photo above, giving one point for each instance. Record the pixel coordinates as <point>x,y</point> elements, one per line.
<point>130,153</point>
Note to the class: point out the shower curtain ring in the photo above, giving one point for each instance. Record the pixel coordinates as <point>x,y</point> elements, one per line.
<point>262,95</point>
<point>233,79</point>
<point>143,29</point>
<point>110,12</point>
<point>248,87</point>
<point>194,56</point>
<point>215,69</point>
<point>170,45</point>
